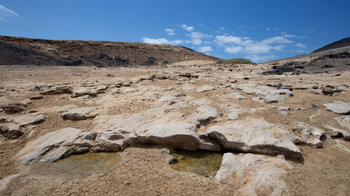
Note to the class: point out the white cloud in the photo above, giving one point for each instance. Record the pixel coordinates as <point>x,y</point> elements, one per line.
<point>205,49</point>
<point>161,41</point>
<point>233,49</point>
<point>300,45</point>
<point>258,58</point>
<point>258,48</point>
<point>224,39</point>
<point>197,37</point>
<point>285,34</point>
<point>170,31</point>
<point>187,28</point>
<point>276,39</point>
<point>5,12</point>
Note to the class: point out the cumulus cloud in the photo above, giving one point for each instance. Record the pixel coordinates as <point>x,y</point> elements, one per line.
<point>226,39</point>
<point>187,28</point>
<point>170,31</point>
<point>233,49</point>
<point>161,41</point>
<point>205,49</point>
<point>197,37</point>
<point>5,12</point>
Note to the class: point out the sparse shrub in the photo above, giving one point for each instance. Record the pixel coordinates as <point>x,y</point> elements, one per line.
<point>235,61</point>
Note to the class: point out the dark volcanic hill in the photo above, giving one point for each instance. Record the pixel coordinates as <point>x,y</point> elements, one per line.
<point>337,44</point>
<point>332,58</point>
<point>24,51</point>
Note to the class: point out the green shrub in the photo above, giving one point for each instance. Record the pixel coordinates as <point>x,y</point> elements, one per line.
<point>235,61</point>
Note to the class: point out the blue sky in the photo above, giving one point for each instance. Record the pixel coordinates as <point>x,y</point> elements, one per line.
<point>260,30</point>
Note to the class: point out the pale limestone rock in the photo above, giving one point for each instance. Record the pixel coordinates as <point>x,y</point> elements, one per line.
<point>338,107</point>
<point>339,133</point>
<point>205,88</point>
<point>265,93</point>
<point>204,114</point>
<point>256,136</point>
<point>259,172</point>
<point>82,113</point>
<point>47,144</point>
<point>233,115</point>
<point>343,121</point>
<point>84,91</point>
<point>29,119</point>
<point>237,96</point>
<point>180,135</point>
<point>310,135</point>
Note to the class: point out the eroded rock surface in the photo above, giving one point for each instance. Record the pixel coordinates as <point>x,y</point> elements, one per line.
<point>338,107</point>
<point>256,136</point>
<point>82,113</point>
<point>262,175</point>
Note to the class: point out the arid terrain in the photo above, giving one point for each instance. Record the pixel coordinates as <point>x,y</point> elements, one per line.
<point>249,133</point>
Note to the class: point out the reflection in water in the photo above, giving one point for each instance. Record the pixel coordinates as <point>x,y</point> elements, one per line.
<point>202,163</point>
<point>81,165</point>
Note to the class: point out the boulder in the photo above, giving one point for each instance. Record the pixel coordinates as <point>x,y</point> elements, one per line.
<point>10,130</point>
<point>255,135</point>
<point>13,108</point>
<point>338,107</point>
<point>262,175</point>
<point>309,135</point>
<point>51,146</point>
<point>82,113</point>
<point>29,119</point>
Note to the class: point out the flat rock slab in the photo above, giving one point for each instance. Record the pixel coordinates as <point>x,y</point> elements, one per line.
<point>29,119</point>
<point>265,93</point>
<point>13,108</point>
<point>338,107</point>
<point>47,145</point>
<point>262,175</point>
<point>255,135</point>
<point>82,113</point>
<point>179,135</point>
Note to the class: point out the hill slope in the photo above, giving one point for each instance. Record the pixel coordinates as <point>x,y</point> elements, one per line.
<point>21,51</point>
<point>337,44</point>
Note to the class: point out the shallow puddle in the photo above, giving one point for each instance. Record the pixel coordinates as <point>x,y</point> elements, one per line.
<point>81,165</point>
<point>202,163</point>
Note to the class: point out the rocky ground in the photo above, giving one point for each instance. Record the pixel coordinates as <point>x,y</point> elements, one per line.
<point>279,134</point>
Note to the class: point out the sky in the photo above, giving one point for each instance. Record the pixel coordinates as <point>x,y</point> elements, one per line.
<point>260,30</point>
